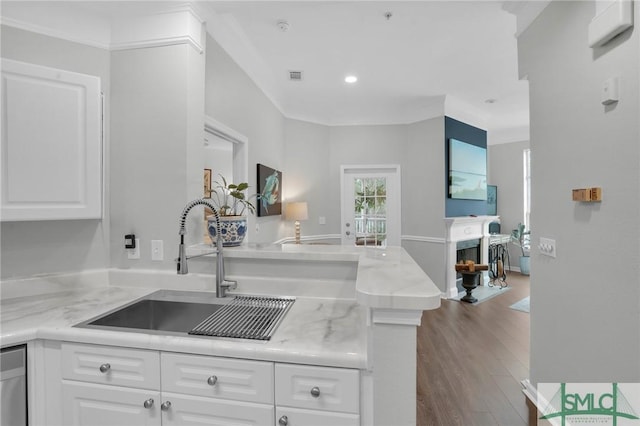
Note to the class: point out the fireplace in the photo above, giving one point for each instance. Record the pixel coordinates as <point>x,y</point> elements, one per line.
<point>471,234</point>
<point>467,250</point>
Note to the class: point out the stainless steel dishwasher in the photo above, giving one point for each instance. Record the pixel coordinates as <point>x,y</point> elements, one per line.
<point>13,386</point>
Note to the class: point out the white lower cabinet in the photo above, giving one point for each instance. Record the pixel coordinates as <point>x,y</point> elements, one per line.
<point>105,385</point>
<point>316,396</point>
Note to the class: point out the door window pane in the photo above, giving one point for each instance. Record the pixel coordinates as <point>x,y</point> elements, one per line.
<point>370,211</point>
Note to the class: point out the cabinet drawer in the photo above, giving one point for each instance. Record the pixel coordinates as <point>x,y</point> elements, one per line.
<point>111,365</point>
<point>97,405</point>
<point>226,378</point>
<point>286,416</point>
<point>318,388</point>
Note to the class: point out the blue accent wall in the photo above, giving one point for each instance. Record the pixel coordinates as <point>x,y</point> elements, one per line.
<point>463,132</point>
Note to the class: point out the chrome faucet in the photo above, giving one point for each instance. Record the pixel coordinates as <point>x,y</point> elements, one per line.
<point>222,284</point>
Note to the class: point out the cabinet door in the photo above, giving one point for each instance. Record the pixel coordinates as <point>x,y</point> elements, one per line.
<point>286,416</point>
<point>99,405</point>
<point>193,410</point>
<point>51,156</point>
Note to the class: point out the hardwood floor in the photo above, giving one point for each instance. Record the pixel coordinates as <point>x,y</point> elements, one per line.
<point>471,359</point>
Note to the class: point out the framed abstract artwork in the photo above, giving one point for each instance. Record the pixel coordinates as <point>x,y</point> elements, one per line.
<point>269,191</point>
<point>467,171</point>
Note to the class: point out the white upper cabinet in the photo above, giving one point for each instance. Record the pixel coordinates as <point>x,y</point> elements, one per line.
<point>51,155</point>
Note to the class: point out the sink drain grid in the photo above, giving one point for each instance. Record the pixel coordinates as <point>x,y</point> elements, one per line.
<point>246,317</point>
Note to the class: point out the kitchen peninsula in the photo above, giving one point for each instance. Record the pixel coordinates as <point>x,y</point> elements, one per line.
<point>349,337</point>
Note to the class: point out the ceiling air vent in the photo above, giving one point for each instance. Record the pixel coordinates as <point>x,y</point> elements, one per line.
<point>295,75</point>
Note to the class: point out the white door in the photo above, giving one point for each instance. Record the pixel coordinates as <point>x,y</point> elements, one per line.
<point>371,205</point>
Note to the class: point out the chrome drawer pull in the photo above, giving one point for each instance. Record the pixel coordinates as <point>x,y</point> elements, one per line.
<point>105,367</point>
<point>283,421</point>
<point>212,380</point>
<point>165,406</point>
<point>315,392</point>
<point>148,403</point>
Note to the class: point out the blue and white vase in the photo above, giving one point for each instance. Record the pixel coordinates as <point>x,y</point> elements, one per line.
<point>232,228</point>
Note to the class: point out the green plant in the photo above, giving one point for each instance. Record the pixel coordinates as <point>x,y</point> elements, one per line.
<point>230,198</point>
<point>520,237</point>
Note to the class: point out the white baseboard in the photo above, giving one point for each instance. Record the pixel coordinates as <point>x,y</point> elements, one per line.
<point>530,391</point>
<point>421,239</point>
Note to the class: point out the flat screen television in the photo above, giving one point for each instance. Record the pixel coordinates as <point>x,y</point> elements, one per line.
<point>467,171</point>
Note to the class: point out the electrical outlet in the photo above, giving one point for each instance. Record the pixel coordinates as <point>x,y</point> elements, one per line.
<point>134,253</point>
<point>547,247</point>
<point>157,250</point>
<point>322,220</point>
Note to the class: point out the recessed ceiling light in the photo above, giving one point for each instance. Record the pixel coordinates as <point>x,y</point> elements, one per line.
<point>350,79</point>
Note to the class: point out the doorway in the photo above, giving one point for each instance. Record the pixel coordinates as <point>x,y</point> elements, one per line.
<point>225,154</point>
<point>370,205</point>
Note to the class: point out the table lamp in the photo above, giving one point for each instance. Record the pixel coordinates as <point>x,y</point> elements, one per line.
<point>296,211</point>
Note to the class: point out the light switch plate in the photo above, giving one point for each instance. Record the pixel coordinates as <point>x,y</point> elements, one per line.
<point>157,250</point>
<point>547,247</point>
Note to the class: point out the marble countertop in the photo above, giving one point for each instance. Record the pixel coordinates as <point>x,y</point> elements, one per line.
<point>315,330</point>
<point>318,329</point>
<point>387,278</point>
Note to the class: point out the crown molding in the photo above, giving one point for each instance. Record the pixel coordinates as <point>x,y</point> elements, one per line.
<point>93,40</point>
<point>462,111</point>
<point>176,25</point>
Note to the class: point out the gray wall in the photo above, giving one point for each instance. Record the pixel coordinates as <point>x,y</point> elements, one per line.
<point>359,145</point>
<point>584,304</point>
<point>314,154</point>
<point>423,197</point>
<point>233,99</point>
<point>38,247</point>
<point>154,155</point>
<point>157,146</point>
<point>307,153</point>
<point>506,171</point>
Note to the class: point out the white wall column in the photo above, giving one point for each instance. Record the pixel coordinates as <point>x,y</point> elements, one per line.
<point>392,359</point>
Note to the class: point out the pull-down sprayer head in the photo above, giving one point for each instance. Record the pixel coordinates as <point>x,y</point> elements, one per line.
<point>182,254</point>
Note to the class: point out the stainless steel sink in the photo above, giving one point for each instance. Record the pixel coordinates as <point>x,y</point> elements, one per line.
<point>159,315</point>
<point>160,312</point>
<point>196,313</point>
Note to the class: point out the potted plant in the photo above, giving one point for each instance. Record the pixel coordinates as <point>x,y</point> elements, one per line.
<point>520,237</point>
<point>232,203</point>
